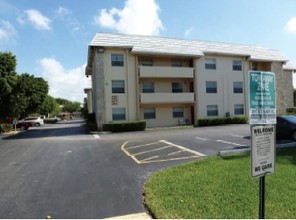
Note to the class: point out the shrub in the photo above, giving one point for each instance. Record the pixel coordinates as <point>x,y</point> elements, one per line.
<point>90,122</point>
<point>125,126</point>
<point>50,120</point>
<point>291,110</point>
<point>221,121</point>
<point>5,128</point>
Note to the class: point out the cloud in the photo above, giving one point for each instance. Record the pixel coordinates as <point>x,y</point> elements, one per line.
<point>188,32</point>
<point>68,84</point>
<point>62,12</point>
<point>291,25</point>
<point>37,19</point>
<point>137,17</point>
<point>7,31</point>
<point>65,15</point>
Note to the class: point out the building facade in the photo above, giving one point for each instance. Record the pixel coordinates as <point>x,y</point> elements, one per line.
<point>172,81</point>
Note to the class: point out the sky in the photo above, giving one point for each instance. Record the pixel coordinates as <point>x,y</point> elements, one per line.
<point>50,37</point>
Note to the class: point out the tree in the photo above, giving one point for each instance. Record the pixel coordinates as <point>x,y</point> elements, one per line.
<point>49,106</point>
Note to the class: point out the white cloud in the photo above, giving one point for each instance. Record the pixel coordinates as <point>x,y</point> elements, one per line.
<point>62,12</point>
<point>37,19</point>
<point>68,84</point>
<point>291,25</point>
<point>188,32</point>
<point>7,31</point>
<point>137,17</point>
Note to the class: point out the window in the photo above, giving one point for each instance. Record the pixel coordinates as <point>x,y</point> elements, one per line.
<point>176,63</point>
<point>210,64</point>
<point>177,87</point>
<point>239,109</point>
<point>117,59</point>
<point>149,113</point>
<point>211,86</point>
<point>117,86</point>
<point>237,87</point>
<point>147,62</point>
<point>178,112</point>
<point>212,110</point>
<point>118,114</point>
<point>148,87</point>
<point>237,65</point>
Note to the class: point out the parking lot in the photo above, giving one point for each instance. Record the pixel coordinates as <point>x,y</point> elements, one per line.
<point>179,144</point>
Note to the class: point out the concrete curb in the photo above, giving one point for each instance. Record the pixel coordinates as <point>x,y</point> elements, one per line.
<point>225,153</point>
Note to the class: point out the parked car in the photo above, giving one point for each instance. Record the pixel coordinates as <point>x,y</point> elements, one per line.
<point>23,125</point>
<point>36,121</point>
<point>286,127</point>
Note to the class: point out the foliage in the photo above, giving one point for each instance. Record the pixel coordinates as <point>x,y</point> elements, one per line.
<point>68,106</point>
<point>5,128</point>
<point>50,120</point>
<point>20,95</point>
<point>221,121</point>
<point>222,188</point>
<point>291,110</point>
<point>125,126</point>
<point>49,106</point>
<point>84,109</point>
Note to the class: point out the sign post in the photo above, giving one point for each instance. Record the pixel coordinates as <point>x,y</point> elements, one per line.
<point>262,118</point>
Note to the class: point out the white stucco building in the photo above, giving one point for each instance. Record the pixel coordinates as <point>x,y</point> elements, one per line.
<point>166,81</point>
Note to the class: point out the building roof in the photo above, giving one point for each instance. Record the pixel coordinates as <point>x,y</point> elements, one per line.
<point>289,66</point>
<point>140,44</point>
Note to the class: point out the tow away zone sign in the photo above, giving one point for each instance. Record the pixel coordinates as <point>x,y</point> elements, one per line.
<point>262,150</point>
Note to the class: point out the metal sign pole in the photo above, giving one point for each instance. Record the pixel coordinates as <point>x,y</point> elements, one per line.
<point>262,198</point>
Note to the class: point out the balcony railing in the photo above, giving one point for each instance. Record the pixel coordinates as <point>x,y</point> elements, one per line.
<point>166,98</point>
<point>165,72</point>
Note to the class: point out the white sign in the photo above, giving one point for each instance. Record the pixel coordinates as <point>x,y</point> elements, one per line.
<point>262,98</point>
<point>262,149</point>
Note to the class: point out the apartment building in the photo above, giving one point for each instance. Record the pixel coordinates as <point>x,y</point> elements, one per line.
<point>173,81</point>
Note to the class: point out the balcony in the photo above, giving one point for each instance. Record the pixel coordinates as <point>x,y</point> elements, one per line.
<point>165,72</point>
<point>166,98</point>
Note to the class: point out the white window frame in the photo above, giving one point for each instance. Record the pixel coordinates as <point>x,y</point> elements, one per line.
<point>149,113</point>
<point>238,87</point>
<point>211,87</point>
<point>212,110</point>
<point>118,114</point>
<point>237,65</point>
<point>117,59</point>
<point>239,109</point>
<point>118,87</point>
<point>210,64</point>
<point>178,112</point>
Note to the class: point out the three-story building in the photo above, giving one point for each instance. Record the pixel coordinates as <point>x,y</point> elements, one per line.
<point>173,81</point>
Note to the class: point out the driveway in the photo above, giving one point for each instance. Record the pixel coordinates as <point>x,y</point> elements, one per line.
<point>60,171</point>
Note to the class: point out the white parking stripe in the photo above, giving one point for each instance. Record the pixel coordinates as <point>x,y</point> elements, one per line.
<point>226,142</point>
<point>235,135</point>
<point>183,148</point>
<point>203,139</point>
<point>97,136</point>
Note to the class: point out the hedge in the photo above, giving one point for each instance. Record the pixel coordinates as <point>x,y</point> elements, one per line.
<point>291,110</point>
<point>125,126</point>
<point>50,120</point>
<point>222,121</point>
<point>5,128</point>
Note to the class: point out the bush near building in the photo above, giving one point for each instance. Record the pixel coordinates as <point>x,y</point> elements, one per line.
<point>125,126</point>
<point>222,121</point>
<point>5,128</point>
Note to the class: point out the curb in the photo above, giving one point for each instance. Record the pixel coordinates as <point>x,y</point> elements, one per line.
<point>225,153</point>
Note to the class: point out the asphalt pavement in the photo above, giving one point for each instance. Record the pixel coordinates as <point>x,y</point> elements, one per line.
<point>61,171</point>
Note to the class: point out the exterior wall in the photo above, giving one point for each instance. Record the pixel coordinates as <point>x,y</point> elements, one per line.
<point>164,115</point>
<point>198,99</point>
<point>224,76</point>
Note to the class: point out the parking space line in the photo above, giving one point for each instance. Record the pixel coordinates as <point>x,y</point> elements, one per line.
<point>183,148</point>
<point>203,139</point>
<point>97,136</point>
<point>227,142</point>
<point>142,145</point>
<point>235,135</point>
<point>159,145</point>
<point>148,151</point>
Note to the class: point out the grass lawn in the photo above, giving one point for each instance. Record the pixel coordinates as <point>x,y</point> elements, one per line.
<point>218,187</point>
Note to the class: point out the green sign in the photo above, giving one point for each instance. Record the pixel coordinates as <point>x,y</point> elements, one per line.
<point>262,100</point>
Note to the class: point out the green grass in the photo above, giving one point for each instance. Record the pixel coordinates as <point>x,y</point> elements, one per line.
<point>218,187</point>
